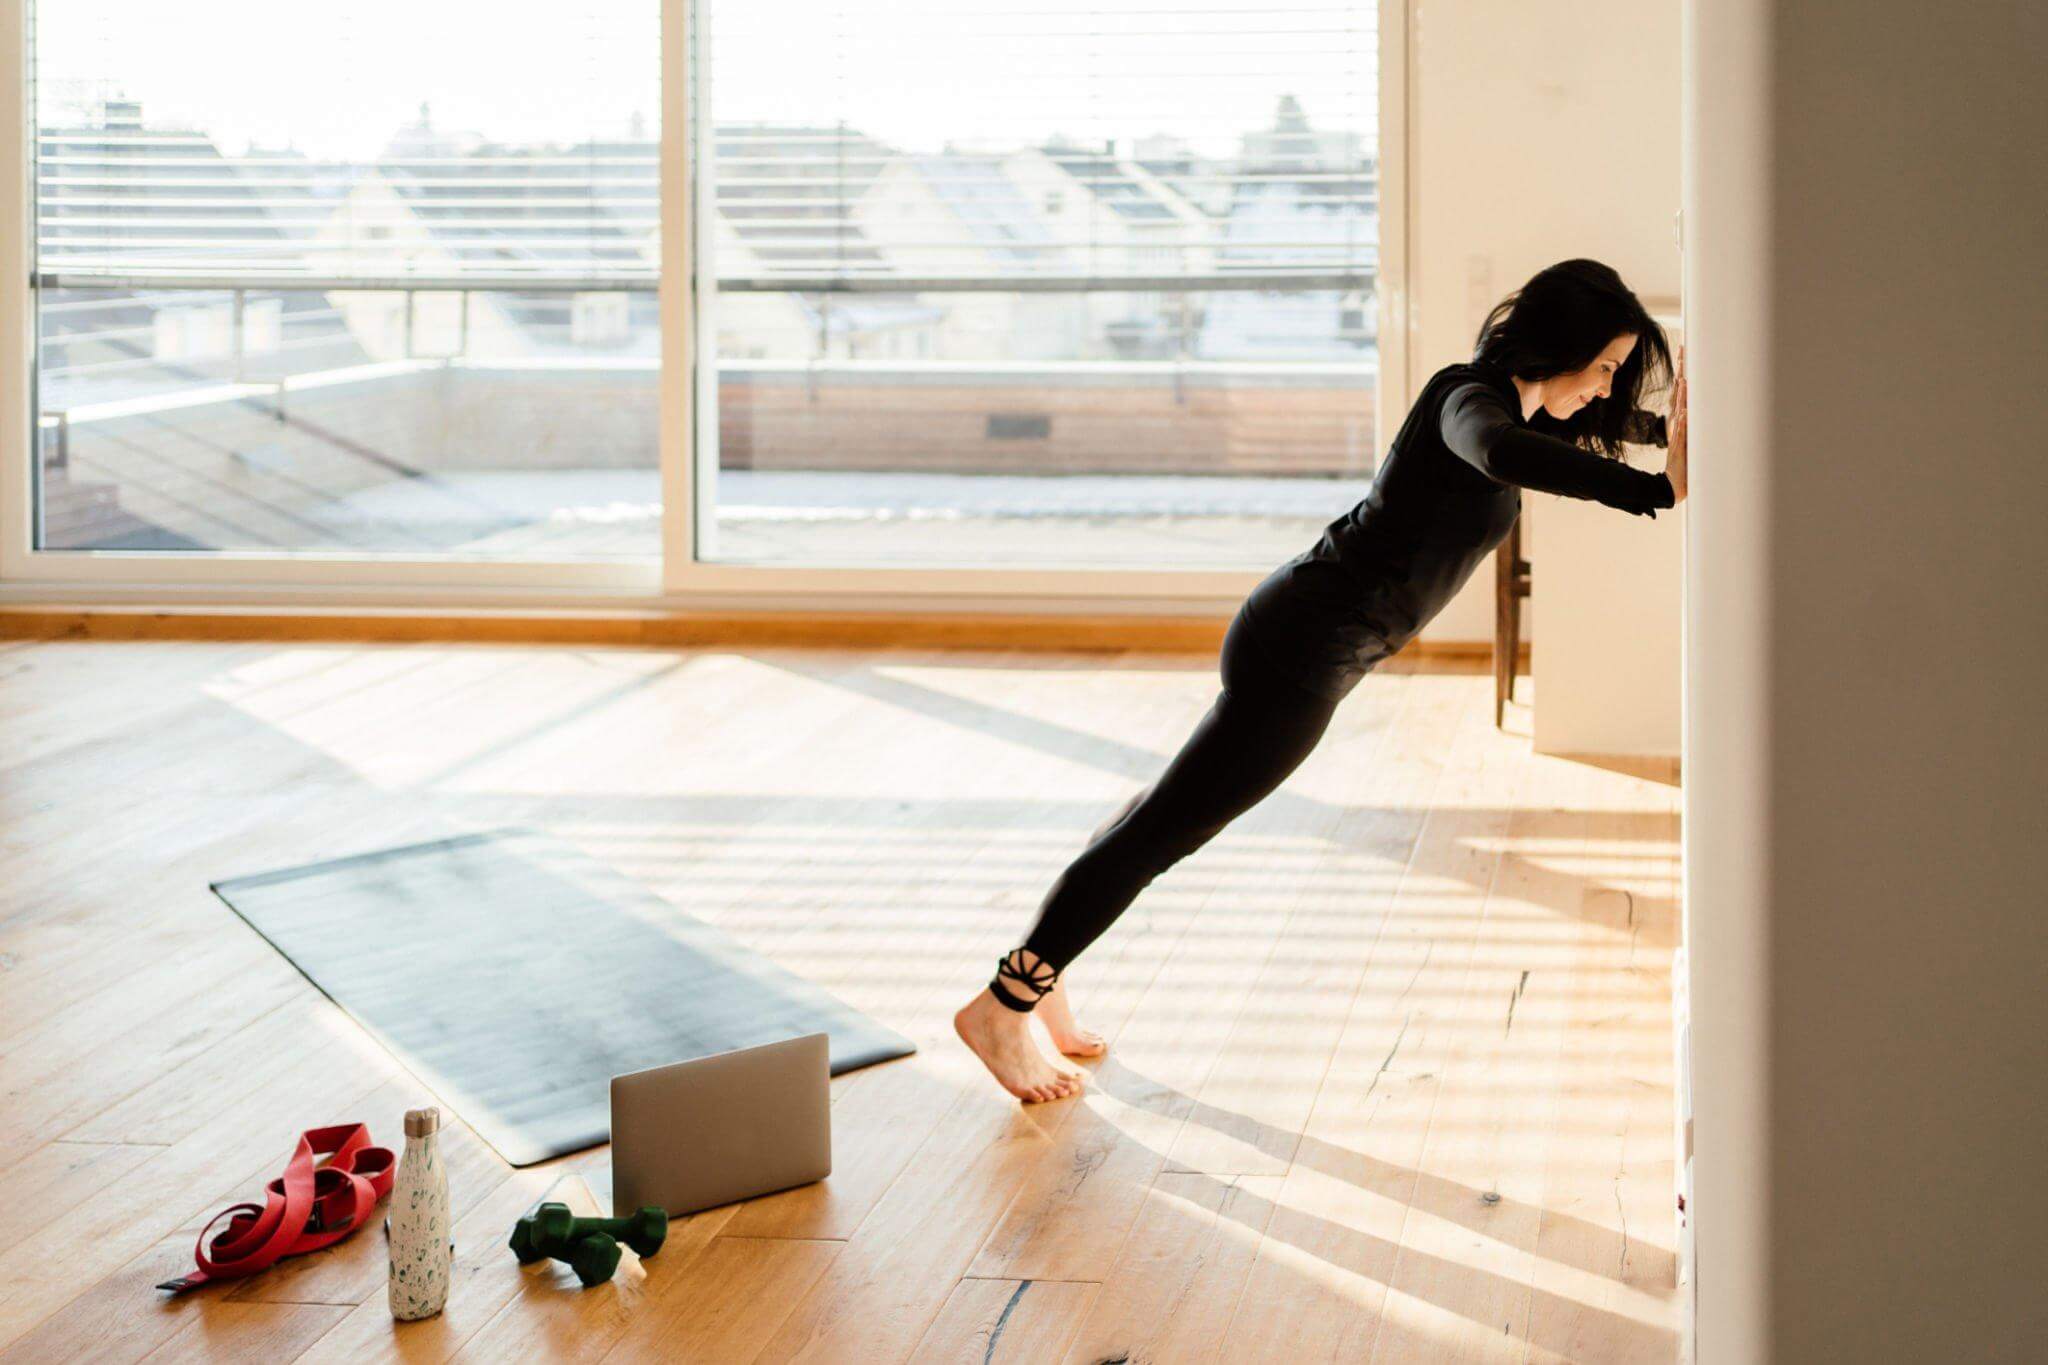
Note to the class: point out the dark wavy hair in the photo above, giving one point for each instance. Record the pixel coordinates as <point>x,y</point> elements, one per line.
<point>1558,323</point>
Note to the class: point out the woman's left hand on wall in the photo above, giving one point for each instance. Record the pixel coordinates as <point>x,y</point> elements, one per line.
<point>1674,447</point>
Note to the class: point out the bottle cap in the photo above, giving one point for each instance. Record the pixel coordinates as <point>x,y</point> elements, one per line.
<point>422,1122</point>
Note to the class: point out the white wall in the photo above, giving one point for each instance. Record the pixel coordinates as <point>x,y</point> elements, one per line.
<point>1728,713</point>
<point>1867,595</point>
<point>1538,132</point>
<point>1607,605</point>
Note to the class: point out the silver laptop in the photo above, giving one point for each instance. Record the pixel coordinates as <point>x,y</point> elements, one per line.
<point>720,1128</point>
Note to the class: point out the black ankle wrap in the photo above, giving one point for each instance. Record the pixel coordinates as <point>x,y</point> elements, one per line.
<point>1038,979</point>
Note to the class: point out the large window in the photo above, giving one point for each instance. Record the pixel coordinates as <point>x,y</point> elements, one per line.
<point>370,279</point>
<point>975,296</point>
<point>1073,282</point>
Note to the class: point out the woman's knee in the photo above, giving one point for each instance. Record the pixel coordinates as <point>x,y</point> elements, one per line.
<point>1137,850</point>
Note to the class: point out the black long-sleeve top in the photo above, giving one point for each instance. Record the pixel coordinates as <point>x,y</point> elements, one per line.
<point>1445,496</point>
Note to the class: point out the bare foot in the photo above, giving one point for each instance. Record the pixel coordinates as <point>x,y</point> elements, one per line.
<point>1067,1034</point>
<point>1001,1037</point>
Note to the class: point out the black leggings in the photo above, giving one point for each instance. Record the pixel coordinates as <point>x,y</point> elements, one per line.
<point>1258,730</point>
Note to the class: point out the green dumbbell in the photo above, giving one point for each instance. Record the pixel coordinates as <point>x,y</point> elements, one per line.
<point>522,1241</point>
<point>555,1227</point>
<point>594,1256</point>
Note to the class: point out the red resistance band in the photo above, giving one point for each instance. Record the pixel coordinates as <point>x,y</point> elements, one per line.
<point>314,1204</point>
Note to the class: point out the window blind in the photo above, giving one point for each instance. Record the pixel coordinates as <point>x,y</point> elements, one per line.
<point>1071,144</point>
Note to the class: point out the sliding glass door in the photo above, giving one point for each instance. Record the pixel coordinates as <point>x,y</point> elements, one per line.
<point>373,280</point>
<point>1068,283</point>
<point>966,298</point>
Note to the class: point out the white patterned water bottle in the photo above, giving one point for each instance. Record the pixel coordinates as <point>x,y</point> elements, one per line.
<point>421,1257</point>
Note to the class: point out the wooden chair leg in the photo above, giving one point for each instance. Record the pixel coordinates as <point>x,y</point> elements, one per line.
<point>1515,626</point>
<point>1504,622</point>
<point>1510,586</point>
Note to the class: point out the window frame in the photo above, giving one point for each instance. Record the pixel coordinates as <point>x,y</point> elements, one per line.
<point>679,580</point>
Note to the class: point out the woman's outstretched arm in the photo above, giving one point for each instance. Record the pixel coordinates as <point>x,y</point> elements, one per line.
<point>1480,430</point>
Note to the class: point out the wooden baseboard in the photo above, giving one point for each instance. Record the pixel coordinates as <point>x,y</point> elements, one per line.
<point>843,630</point>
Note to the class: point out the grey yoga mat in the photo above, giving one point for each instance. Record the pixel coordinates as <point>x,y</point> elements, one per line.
<point>516,977</point>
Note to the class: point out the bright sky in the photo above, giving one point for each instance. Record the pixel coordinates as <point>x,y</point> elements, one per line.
<point>338,82</point>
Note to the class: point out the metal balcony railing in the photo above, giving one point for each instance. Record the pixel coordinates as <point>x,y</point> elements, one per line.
<point>467,283</point>
<point>648,282</point>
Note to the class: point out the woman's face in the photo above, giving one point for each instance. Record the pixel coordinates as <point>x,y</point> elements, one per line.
<point>1564,395</point>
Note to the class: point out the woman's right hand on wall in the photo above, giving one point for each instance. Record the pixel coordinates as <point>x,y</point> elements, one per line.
<point>1674,440</point>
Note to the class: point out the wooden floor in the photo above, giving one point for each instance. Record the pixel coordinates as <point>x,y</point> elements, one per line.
<point>1390,1076</point>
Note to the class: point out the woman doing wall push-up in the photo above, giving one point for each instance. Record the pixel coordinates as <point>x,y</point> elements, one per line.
<point>1546,402</point>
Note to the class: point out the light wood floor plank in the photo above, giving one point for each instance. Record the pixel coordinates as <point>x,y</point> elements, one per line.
<point>882,1291</point>
<point>1604,1281</point>
<point>1177,1278</point>
<point>1014,1322</point>
<point>183,1098</point>
<point>40,964</point>
<point>121,1039</point>
<point>1328,1250</point>
<point>56,964</point>
<point>1313,1084</point>
<point>727,1300</point>
<point>56,1177</point>
<point>255,1332</point>
<point>1458,1282</point>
